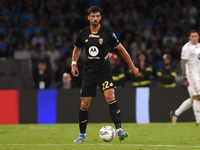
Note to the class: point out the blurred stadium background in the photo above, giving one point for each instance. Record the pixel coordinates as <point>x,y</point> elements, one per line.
<point>31,30</point>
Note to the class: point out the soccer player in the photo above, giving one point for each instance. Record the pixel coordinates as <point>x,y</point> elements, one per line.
<point>98,41</point>
<point>190,65</point>
<point>187,104</point>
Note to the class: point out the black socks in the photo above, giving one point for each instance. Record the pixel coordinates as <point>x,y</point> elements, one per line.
<point>115,114</point>
<point>83,119</point>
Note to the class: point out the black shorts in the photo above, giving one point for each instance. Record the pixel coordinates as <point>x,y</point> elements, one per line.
<point>90,83</point>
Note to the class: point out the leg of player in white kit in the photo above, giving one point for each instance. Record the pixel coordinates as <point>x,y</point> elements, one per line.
<point>183,107</point>
<point>196,109</point>
<point>196,99</point>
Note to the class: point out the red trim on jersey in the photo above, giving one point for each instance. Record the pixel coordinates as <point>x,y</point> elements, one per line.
<point>97,31</point>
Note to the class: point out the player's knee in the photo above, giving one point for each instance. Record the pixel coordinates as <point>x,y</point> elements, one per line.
<point>85,104</point>
<point>109,98</point>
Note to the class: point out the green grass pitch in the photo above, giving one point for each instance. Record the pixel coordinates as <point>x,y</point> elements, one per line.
<point>153,136</point>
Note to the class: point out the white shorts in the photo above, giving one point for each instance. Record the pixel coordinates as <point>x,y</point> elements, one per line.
<point>190,91</point>
<point>193,80</point>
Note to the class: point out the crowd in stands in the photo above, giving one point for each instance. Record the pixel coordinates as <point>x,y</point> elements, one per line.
<point>47,29</point>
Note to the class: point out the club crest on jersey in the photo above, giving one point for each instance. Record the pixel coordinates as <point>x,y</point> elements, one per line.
<point>93,51</point>
<point>100,41</point>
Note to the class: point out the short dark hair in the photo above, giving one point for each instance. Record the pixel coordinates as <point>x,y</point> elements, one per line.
<point>42,61</point>
<point>94,9</point>
<point>193,31</point>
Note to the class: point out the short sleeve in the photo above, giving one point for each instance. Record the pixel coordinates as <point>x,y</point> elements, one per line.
<point>79,42</point>
<point>185,53</point>
<point>114,42</point>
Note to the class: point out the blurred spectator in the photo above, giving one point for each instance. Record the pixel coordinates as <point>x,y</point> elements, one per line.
<point>170,36</point>
<point>36,54</point>
<point>73,21</point>
<point>161,25</point>
<point>41,77</point>
<point>53,55</point>
<point>65,57</point>
<point>136,46</point>
<point>21,52</point>
<point>27,43</point>
<point>10,51</point>
<point>145,71</point>
<point>11,36</point>
<point>27,28</point>
<point>55,38</point>
<point>38,38</point>
<point>167,74</point>
<point>117,75</point>
<point>29,14</point>
<point>191,10</point>
<point>154,51</point>
<point>3,28</point>
<point>67,82</point>
<point>3,44</point>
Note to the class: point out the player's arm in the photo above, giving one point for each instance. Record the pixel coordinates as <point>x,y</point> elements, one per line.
<point>75,57</point>
<point>183,62</point>
<point>127,58</point>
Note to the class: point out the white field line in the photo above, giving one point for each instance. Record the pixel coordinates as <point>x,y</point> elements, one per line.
<point>41,128</point>
<point>82,144</point>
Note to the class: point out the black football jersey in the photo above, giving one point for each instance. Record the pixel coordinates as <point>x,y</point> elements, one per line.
<point>97,48</point>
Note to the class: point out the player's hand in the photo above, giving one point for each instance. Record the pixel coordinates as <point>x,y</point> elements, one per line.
<point>74,71</point>
<point>185,84</point>
<point>135,71</point>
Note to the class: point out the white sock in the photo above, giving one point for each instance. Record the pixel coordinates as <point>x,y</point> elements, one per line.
<point>196,108</point>
<point>119,129</point>
<point>183,107</point>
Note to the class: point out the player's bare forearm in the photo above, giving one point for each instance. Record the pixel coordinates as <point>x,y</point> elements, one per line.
<point>125,55</point>
<point>75,57</point>
<point>183,62</point>
<point>127,58</point>
<point>76,54</point>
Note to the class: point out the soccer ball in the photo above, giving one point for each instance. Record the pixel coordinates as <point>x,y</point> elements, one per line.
<point>107,133</point>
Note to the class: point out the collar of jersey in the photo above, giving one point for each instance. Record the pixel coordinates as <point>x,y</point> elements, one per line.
<point>95,32</point>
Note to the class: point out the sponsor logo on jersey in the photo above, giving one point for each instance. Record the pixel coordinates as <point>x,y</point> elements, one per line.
<point>100,41</point>
<point>93,51</point>
<point>86,40</point>
<point>94,36</point>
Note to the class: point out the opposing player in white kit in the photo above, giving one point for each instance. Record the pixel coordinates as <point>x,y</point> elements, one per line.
<point>190,65</point>
<point>183,107</point>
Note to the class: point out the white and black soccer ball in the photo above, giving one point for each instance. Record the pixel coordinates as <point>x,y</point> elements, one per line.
<point>107,133</point>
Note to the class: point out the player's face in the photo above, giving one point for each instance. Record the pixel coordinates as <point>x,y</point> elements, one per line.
<point>194,38</point>
<point>94,18</point>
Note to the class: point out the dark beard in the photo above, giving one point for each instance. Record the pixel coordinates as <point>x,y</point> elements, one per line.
<point>95,25</point>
